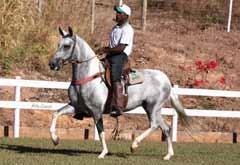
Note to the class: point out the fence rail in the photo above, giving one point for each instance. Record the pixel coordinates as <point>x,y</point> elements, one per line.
<point>18,105</point>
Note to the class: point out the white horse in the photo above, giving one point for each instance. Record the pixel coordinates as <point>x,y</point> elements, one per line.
<point>88,93</point>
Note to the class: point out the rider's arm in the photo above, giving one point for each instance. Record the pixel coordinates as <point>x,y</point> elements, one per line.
<point>115,50</point>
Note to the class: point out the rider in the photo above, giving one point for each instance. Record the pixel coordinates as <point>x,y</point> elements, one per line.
<point>120,47</point>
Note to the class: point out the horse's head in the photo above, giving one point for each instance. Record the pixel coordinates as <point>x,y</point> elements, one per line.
<point>65,49</point>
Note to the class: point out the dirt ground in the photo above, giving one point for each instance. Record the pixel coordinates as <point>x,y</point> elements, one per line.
<point>192,57</point>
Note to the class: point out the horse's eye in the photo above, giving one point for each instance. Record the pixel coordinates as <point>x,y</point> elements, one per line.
<point>66,47</point>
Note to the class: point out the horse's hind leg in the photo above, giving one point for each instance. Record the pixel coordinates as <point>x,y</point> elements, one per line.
<point>141,137</point>
<point>156,121</point>
<point>68,109</point>
<point>166,130</point>
<point>153,127</point>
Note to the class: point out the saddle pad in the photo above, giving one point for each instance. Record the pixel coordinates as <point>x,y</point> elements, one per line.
<point>135,77</point>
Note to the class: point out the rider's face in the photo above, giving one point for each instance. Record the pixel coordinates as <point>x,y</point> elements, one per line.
<point>121,18</point>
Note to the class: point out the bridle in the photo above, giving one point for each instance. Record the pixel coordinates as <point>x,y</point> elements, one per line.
<point>75,61</point>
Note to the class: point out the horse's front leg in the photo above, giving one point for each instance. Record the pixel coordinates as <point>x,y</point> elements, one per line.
<point>99,125</point>
<point>68,109</point>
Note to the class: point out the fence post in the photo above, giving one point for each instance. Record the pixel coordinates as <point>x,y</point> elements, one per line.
<point>174,123</point>
<point>93,16</point>
<point>174,126</point>
<point>120,3</point>
<point>6,131</point>
<point>17,110</point>
<point>144,14</point>
<point>40,6</point>
<point>230,16</point>
<point>86,134</point>
<point>235,137</point>
<point>96,136</point>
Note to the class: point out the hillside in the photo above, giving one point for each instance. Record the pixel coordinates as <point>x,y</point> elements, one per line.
<point>193,52</point>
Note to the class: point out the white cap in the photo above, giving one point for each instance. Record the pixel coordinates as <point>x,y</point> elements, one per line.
<point>123,9</point>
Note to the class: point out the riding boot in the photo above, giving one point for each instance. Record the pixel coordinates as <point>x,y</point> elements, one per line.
<point>118,100</point>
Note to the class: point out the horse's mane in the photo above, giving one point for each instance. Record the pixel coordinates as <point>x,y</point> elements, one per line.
<point>84,46</point>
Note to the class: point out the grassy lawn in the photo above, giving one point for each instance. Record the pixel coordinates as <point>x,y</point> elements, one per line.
<point>26,151</point>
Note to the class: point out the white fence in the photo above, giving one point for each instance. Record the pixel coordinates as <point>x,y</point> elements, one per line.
<point>17,104</point>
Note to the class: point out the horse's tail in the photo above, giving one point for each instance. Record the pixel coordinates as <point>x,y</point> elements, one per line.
<point>182,115</point>
<point>179,108</point>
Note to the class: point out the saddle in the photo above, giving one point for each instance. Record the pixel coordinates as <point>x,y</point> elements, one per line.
<point>129,77</point>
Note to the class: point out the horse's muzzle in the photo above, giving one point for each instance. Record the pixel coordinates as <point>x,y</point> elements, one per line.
<point>54,64</point>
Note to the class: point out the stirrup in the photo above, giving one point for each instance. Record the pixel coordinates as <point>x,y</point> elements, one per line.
<point>115,113</point>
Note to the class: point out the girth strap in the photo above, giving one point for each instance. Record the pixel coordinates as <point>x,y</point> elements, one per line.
<point>87,79</point>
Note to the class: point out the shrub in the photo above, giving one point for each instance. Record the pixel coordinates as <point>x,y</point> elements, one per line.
<point>25,32</point>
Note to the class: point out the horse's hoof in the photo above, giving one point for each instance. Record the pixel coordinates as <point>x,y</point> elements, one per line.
<point>102,155</point>
<point>167,157</point>
<point>56,141</point>
<point>133,149</point>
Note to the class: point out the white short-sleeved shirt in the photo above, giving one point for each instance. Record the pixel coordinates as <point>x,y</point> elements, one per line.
<point>122,35</point>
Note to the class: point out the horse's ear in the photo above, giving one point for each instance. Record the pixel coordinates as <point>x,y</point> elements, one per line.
<point>61,31</point>
<point>70,31</point>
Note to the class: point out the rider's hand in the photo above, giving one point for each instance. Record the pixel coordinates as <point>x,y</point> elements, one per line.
<point>102,50</point>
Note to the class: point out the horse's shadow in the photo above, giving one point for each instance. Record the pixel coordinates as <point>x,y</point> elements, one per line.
<point>70,152</point>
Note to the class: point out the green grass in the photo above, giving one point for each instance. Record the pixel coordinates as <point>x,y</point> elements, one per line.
<point>35,151</point>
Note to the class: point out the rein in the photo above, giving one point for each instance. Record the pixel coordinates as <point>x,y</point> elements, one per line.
<point>79,62</point>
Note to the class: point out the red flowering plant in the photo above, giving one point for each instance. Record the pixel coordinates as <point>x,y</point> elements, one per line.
<point>199,83</point>
<point>200,65</point>
<point>222,80</point>
<point>206,66</point>
<point>201,70</point>
<point>212,65</point>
